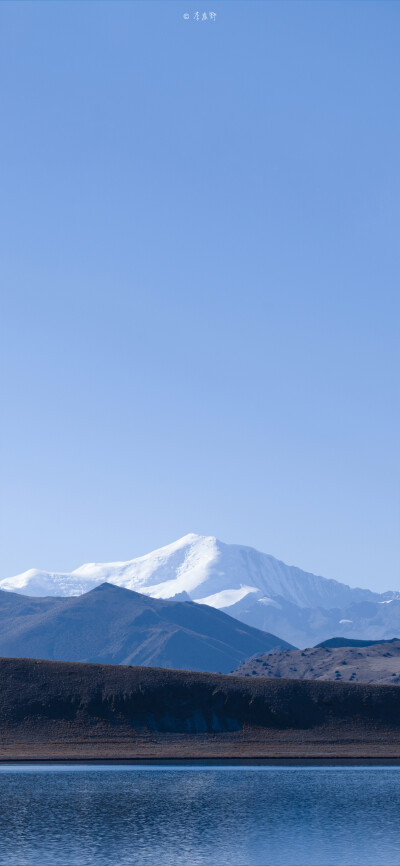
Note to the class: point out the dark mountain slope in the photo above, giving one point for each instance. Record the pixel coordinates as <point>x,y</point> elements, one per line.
<point>333,642</point>
<point>115,625</point>
<point>61,709</point>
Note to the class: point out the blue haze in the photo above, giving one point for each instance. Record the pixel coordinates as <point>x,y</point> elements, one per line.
<point>200,282</point>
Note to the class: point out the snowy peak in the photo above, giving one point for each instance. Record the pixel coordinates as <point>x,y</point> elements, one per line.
<point>168,571</point>
<point>42,583</point>
<point>254,587</point>
<point>209,571</point>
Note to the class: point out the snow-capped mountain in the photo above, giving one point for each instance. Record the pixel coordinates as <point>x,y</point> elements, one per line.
<point>209,571</point>
<point>254,587</point>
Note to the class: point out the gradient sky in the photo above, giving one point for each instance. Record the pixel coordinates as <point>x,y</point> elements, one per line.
<point>199,238</point>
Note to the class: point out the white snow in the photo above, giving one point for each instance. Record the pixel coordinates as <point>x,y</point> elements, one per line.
<point>211,572</point>
<point>269,601</point>
<point>227,597</point>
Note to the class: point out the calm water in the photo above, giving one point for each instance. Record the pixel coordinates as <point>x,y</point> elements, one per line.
<point>287,815</point>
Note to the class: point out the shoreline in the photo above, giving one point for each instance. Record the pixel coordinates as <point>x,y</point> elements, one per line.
<point>278,761</point>
<point>81,713</point>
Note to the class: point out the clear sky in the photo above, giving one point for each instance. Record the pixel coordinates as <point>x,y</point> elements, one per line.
<point>200,281</point>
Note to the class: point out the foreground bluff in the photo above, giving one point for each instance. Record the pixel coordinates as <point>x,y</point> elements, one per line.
<point>117,626</point>
<point>67,710</point>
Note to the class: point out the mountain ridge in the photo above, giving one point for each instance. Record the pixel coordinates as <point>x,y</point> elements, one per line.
<point>253,587</point>
<point>377,663</point>
<point>114,625</point>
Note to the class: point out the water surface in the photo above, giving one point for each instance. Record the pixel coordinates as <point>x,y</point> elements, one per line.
<point>76,815</point>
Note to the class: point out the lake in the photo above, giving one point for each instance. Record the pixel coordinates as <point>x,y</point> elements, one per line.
<point>65,815</point>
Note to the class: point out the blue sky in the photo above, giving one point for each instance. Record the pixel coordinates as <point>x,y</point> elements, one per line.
<point>200,281</point>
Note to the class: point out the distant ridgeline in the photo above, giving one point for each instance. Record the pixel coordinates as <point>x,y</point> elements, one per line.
<point>117,626</point>
<point>344,641</point>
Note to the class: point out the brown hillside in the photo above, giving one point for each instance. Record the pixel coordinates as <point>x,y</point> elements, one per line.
<point>378,663</point>
<point>73,710</point>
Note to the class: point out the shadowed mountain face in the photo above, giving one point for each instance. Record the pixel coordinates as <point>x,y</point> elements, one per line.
<point>179,701</point>
<point>117,626</point>
<point>356,662</point>
<point>61,709</point>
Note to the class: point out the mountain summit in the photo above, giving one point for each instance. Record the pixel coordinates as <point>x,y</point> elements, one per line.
<point>209,571</point>
<point>253,587</point>
<point>114,625</point>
